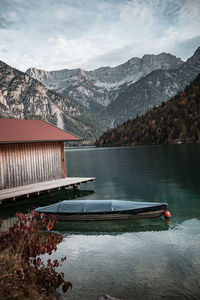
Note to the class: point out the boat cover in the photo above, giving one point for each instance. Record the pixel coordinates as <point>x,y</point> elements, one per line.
<point>98,206</point>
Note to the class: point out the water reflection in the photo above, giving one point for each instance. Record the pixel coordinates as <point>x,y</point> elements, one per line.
<point>135,265</point>
<point>112,227</point>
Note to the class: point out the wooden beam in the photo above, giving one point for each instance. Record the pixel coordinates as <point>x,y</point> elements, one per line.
<point>63,160</point>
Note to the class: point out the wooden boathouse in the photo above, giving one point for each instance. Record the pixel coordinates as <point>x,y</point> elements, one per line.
<point>32,158</point>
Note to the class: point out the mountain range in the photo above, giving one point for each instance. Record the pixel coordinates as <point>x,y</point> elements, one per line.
<point>175,121</point>
<point>88,102</point>
<point>98,88</point>
<point>152,90</point>
<point>127,90</point>
<point>21,96</point>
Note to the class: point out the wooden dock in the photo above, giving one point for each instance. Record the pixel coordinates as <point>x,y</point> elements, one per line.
<point>36,188</point>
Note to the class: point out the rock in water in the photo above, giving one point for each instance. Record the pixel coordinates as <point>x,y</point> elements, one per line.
<point>107,297</point>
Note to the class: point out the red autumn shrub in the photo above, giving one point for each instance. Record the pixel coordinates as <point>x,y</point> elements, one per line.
<point>22,271</point>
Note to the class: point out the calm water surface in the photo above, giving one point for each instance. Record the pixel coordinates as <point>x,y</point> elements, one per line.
<point>144,259</point>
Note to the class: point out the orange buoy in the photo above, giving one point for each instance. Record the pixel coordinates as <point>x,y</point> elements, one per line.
<point>167,214</point>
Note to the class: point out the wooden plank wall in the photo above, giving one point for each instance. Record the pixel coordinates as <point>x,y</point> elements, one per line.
<point>27,163</point>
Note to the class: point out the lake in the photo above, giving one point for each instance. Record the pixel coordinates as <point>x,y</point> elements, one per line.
<point>140,259</point>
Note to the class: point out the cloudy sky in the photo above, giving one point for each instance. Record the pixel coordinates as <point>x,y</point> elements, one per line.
<point>58,34</point>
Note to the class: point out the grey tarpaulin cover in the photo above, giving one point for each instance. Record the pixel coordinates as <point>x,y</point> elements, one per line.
<point>99,206</point>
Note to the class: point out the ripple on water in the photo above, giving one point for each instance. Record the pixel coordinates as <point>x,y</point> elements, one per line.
<point>135,265</point>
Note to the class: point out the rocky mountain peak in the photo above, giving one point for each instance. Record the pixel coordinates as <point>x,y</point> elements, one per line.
<point>164,60</point>
<point>193,63</point>
<point>21,96</point>
<point>134,60</point>
<point>2,64</point>
<point>103,85</point>
<point>195,59</point>
<point>197,52</point>
<point>155,88</point>
<point>33,69</point>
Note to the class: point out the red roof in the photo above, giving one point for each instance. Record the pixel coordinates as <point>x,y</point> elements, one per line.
<point>18,131</point>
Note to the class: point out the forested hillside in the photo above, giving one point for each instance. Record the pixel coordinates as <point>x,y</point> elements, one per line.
<point>175,121</point>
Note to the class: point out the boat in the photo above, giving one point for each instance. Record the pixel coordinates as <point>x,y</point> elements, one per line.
<point>102,210</point>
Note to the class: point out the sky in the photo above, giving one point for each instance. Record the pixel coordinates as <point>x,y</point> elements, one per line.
<point>68,34</point>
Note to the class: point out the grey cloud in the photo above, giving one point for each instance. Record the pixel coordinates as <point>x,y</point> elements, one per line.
<point>4,8</point>
<point>3,22</point>
<point>7,22</point>
<point>8,13</point>
<point>94,33</point>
